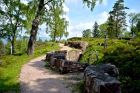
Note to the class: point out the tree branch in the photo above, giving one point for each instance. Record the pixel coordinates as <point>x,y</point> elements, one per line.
<point>47,2</point>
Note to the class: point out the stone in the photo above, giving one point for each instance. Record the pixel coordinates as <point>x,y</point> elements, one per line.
<point>101,79</point>
<point>74,55</point>
<point>77,44</point>
<point>56,54</point>
<point>66,61</point>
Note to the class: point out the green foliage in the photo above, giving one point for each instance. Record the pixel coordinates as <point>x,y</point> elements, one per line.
<point>10,66</point>
<point>133,19</point>
<point>125,54</point>
<point>2,48</point>
<point>56,23</point>
<point>95,31</point>
<point>75,38</point>
<point>91,3</point>
<point>11,19</point>
<point>138,29</point>
<point>29,11</point>
<point>103,29</point>
<point>126,57</point>
<point>21,46</point>
<point>117,19</point>
<point>79,87</point>
<point>87,33</point>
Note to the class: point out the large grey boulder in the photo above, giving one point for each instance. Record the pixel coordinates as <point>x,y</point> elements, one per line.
<point>101,79</point>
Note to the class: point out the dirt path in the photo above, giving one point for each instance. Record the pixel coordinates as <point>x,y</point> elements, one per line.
<point>35,78</point>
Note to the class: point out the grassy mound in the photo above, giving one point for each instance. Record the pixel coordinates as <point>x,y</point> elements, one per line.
<point>125,54</point>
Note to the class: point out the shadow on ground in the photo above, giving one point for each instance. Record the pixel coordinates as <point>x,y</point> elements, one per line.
<point>6,87</point>
<point>45,86</point>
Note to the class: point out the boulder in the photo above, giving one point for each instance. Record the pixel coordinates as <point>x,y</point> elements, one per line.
<point>56,54</point>
<point>101,79</point>
<point>77,44</point>
<point>74,55</point>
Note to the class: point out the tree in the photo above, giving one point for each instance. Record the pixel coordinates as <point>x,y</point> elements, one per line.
<point>56,24</point>
<point>117,19</point>
<point>35,25</point>
<point>91,3</point>
<point>134,18</point>
<point>95,30</point>
<point>110,27</point>
<point>87,33</point>
<point>36,21</point>
<point>2,48</point>
<point>138,28</point>
<point>66,34</point>
<point>103,29</point>
<point>11,16</point>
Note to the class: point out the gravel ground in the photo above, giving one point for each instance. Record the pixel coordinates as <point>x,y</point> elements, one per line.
<point>35,78</point>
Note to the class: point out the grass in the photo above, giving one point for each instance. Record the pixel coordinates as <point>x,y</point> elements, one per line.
<point>79,87</point>
<point>125,54</point>
<point>96,48</point>
<point>11,65</point>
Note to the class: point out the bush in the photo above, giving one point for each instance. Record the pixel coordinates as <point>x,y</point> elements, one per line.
<point>125,54</point>
<point>126,58</point>
<point>75,39</point>
<point>2,48</point>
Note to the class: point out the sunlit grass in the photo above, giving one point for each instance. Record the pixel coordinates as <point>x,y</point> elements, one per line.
<point>11,66</point>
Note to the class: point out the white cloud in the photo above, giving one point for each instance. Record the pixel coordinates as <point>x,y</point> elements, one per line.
<point>131,11</point>
<point>65,8</point>
<point>42,32</point>
<point>66,11</point>
<point>76,30</point>
<point>102,17</point>
<point>104,2</point>
<point>25,1</point>
<point>72,1</point>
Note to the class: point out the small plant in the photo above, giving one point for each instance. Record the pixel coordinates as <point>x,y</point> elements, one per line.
<point>79,87</point>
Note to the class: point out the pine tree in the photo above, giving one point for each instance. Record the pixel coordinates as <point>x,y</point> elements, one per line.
<point>95,30</point>
<point>117,18</point>
<point>110,27</point>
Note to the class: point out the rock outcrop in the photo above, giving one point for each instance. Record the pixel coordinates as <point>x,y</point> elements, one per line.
<point>66,61</point>
<point>77,44</point>
<point>101,79</point>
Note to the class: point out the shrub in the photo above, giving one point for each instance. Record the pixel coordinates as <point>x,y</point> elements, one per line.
<point>125,54</point>
<point>126,58</point>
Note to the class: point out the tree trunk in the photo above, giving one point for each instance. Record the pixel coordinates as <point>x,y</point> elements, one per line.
<point>54,37</point>
<point>34,29</point>
<point>13,45</point>
<point>132,29</point>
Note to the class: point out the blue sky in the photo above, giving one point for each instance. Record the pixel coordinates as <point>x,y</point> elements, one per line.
<point>80,17</point>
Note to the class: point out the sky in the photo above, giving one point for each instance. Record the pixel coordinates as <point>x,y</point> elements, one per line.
<point>80,17</point>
